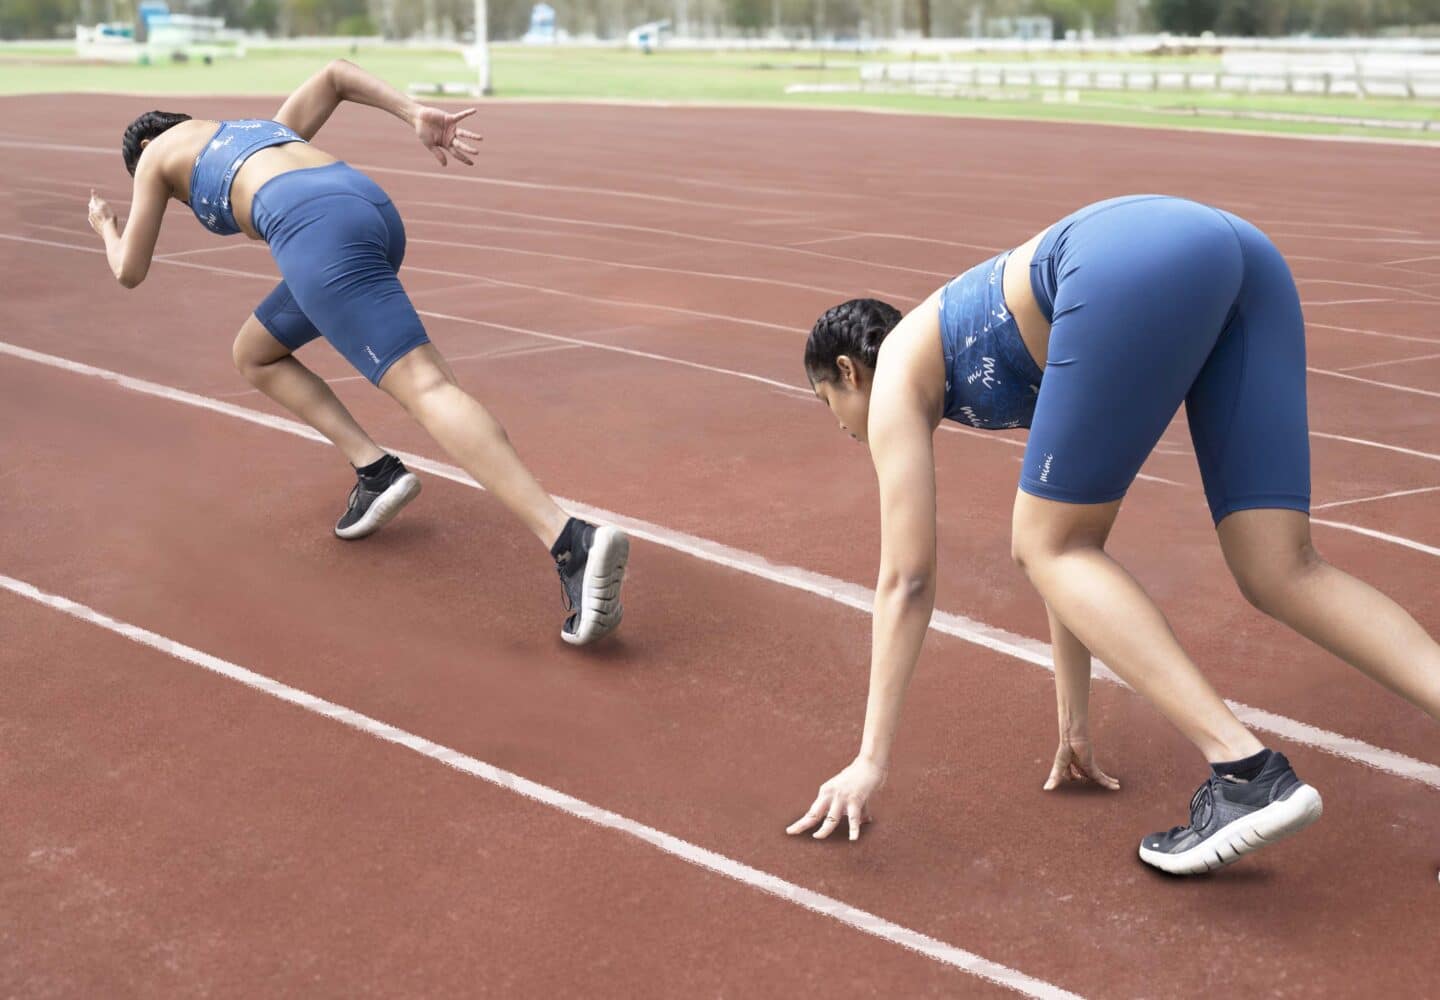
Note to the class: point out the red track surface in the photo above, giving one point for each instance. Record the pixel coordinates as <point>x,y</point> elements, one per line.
<point>170,832</point>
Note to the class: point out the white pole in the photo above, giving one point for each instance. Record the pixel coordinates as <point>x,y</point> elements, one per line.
<point>482,46</point>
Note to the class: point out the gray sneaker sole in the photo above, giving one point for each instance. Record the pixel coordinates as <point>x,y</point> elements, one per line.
<point>384,509</point>
<point>600,608</point>
<point>1243,836</point>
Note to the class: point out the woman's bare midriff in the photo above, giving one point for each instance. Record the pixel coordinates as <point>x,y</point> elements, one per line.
<point>260,167</point>
<point>265,165</point>
<point>1020,300</point>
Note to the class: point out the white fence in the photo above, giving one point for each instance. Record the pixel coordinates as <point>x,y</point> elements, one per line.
<point>1360,76</point>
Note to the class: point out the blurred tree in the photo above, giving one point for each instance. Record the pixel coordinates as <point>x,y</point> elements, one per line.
<point>261,15</point>
<point>1186,17</point>
<point>36,18</point>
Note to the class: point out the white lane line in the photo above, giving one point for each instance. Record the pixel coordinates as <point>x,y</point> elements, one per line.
<point>1355,239</point>
<point>177,263</point>
<point>1309,304</point>
<point>1381,496</point>
<point>432,175</point>
<point>246,245</point>
<point>55,147</point>
<point>1366,284</point>
<point>1413,260</point>
<point>1382,364</point>
<point>858,235</point>
<point>1408,543</point>
<point>597,300</point>
<point>615,348</point>
<point>1337,225</point>
<point>603,262</point>
<point>1376,444</point>
<point>1384,385</point>
<point>1373,333</point>
<point>514,352</point>
<point>842,592</point>
<point>675,234</point>
<point>720,864</point>
<point>411,220</point>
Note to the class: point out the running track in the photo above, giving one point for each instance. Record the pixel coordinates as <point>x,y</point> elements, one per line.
<point>225,734</point>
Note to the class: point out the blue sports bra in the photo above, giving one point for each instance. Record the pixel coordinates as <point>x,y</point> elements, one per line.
<point>990,379</point>
<point>215,168</point>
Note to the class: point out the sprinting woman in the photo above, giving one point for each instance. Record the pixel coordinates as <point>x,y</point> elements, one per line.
<point>1091,334</point>
<point>339,243</point>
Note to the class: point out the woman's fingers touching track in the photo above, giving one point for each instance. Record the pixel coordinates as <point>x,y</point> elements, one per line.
<point>856,814</point>
<point>1061,771</point>
<point>1102,779</point>
<point>820,808</point>
<point>1072,766</point>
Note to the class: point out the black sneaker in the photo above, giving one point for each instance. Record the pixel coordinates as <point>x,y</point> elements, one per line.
<point>377,498</point>
<point>1230,818</point>
<point>591,561</point>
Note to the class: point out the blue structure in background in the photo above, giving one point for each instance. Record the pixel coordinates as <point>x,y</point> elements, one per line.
<point>542,25</point>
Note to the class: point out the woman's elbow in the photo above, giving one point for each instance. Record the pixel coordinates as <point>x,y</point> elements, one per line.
<point>129,278</point>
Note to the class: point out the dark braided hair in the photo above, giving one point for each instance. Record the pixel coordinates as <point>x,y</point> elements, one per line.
<point>147,126</point>
<point>855,329</point>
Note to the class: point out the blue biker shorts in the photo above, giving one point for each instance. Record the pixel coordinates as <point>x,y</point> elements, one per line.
<point>1153,302</point>
<point>339,243</point>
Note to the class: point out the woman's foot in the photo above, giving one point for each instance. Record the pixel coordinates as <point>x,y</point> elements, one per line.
<point>1231,816</point>
<point>591,561</point>
<point>382,489</point>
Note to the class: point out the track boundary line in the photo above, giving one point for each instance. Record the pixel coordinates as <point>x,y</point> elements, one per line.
<point>1370,381</point>
<point>1376,444</point>
<point>1393,361</point>
<point>701,857</point>
<point>1347,503</point>
<point>1409,543</point>
<point>842,592</point>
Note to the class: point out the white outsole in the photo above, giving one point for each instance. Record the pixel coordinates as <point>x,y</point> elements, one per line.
<point>1249,833</point>
<point>600,608</point>
<point>385,507</point>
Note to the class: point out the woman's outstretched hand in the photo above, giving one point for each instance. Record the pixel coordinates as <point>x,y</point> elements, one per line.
<point>101,214</point>
<point>845,796</point>
<point>440,132</point>
<point>1075,761</point>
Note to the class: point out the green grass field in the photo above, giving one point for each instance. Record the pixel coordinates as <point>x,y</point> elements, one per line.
<point>729,77</point>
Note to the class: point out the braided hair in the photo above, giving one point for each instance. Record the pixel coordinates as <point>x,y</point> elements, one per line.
<point>147,126</point>
<point>855,329</point>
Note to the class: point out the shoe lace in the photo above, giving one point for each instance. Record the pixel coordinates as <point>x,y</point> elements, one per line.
<point>562,563</point>
<point>354,496</point>
<point>1201,804</point>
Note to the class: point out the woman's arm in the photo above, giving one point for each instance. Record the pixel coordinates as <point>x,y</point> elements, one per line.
<point>1075,760</point>
<point>312,104</point>
<point>901,446</point>
<point>129,252</point>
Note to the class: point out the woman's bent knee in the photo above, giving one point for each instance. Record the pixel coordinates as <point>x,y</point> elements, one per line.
<point>416,377</point>
<point>1267,583</point>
